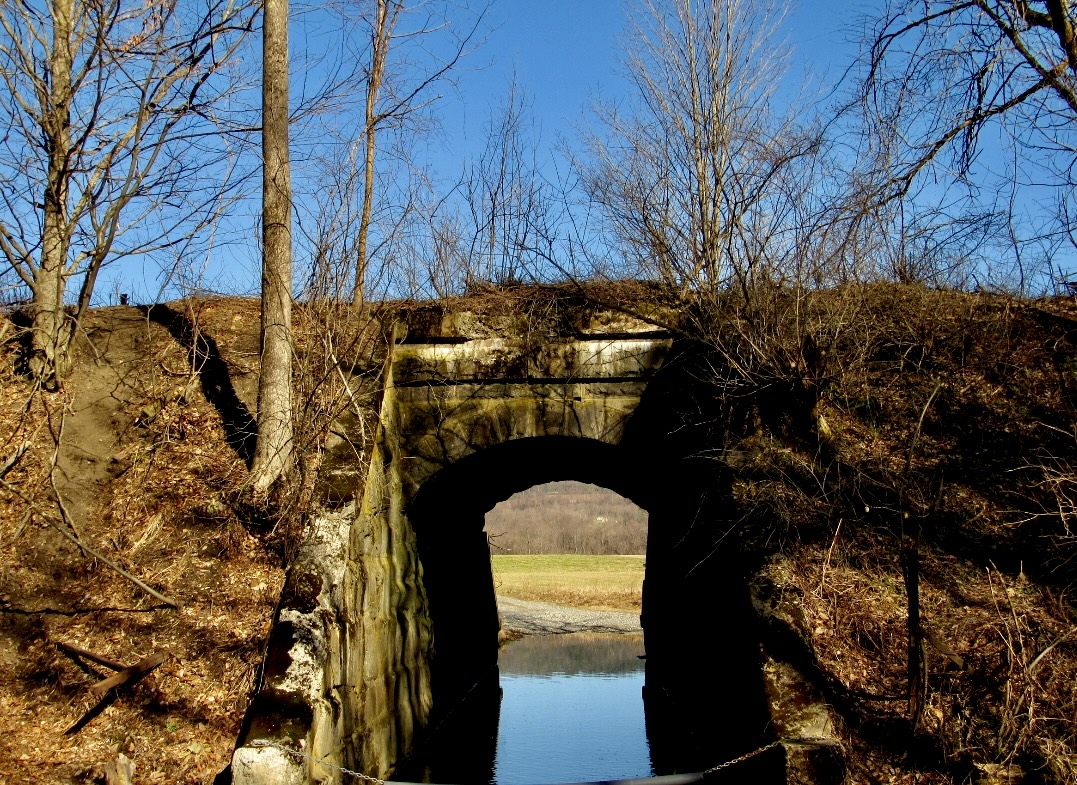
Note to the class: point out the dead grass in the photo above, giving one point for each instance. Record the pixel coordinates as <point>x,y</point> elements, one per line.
<point>1008,697</point>
<point>165,512</point>
<point>985,474</point>
<point>612,583</point>
<point>991,482</point>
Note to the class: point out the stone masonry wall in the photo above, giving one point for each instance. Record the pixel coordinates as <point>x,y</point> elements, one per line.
<point>346,680</point>
<point>347,676</point>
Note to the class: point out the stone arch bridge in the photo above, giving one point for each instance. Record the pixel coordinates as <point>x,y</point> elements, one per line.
<point>388,618</point>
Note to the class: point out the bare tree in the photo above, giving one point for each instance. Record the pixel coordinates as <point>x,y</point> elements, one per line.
<point>691,177</point>
<point>506,201</point>
<point>948,80</point>
<point>398,87</point>
<point>106,148</point>
<point>273,448</point>
<point>502,222</point>
<point>441,264</point>
<point>386,14</point>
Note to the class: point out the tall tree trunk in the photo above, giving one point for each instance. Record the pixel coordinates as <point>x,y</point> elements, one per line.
<point>381,37</point>
<point>361,253</point>
<point>52,333</point>
<point>273,449</point>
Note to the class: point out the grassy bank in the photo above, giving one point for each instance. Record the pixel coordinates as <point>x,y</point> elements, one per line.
<point>600,582</point>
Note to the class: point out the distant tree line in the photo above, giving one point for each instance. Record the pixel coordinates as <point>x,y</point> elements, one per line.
<point>567,517</point>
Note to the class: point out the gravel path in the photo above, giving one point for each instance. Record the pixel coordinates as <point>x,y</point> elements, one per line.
<point>542,618</point>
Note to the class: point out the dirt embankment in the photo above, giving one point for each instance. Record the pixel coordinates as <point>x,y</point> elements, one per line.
<point>955,423</point>
<point>146,472</point>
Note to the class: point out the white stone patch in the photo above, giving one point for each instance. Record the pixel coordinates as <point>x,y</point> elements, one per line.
<point>597,358</point>
<point>327,540</point>
<point>304,674</point>
<point>323,554</point>
<point>325,546</point>
<point>622,357</point>
<point>266,766</point>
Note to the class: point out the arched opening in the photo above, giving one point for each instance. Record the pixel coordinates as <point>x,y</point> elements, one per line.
<point>703,670</point>
<point>449,515</point>
<point>568,563</point>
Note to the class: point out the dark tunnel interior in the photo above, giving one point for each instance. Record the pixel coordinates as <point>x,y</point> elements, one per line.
<point>704,694</point>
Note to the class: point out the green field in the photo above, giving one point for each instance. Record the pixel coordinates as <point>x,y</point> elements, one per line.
<point>599,582</point>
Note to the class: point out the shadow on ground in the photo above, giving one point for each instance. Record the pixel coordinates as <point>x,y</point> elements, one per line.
<point>239,424</point>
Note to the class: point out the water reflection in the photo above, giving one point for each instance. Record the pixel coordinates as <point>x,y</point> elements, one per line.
<point>571,710</point>
<point>581,653</point>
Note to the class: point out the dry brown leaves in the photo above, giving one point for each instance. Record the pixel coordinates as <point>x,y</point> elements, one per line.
<point>165,513</point>
<point>988,471</point>
<point>1012,701</point>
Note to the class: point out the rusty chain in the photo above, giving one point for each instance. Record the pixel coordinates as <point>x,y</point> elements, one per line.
<point>819,742</point>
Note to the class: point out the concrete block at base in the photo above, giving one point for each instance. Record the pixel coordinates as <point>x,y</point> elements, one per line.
<point>806,725</point>
<point>266,766</point>
<point>814,764</point>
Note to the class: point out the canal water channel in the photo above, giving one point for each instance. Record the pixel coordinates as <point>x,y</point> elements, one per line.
<point>567,708</point>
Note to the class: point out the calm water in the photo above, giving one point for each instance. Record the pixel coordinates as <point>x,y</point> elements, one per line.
<point>571,710</point>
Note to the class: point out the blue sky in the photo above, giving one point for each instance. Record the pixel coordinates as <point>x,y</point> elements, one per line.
<point>564,53</point>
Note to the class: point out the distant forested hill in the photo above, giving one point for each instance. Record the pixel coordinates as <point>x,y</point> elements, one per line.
<point>567,517</point>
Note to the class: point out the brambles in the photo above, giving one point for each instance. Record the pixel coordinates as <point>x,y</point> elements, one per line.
<point>983,473</point>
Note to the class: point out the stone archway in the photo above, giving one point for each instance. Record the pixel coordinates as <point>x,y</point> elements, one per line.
<point>448,513</point>
<point>397,581</point>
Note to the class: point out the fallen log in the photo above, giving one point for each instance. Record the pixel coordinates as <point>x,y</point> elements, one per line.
<point>75,653</point>
<point>108,689</point>
<point>130,675</point>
